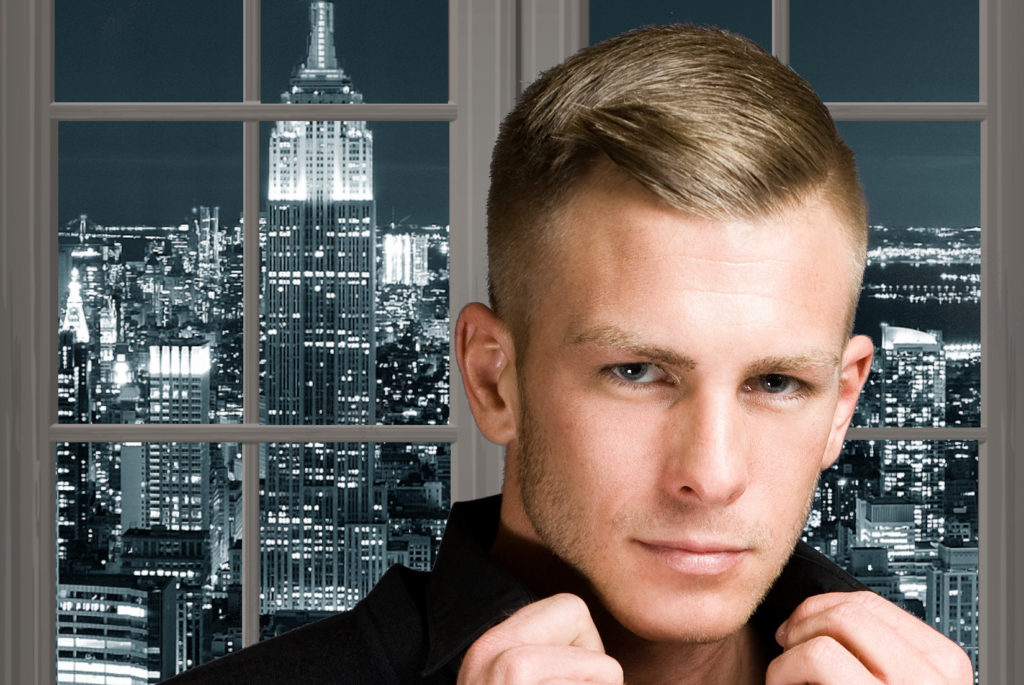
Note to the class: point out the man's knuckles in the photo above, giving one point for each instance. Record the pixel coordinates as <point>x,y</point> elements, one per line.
<point>842,621</point>
<point>822,649</point>
<point>553,637</point>
<point>561,619</point>
<point>534,663</point>
<point>816,604</point>
<point>820,659</point>
<point>522,664</point>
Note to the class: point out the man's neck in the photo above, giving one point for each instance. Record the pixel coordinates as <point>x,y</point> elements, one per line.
<point>738,659</point>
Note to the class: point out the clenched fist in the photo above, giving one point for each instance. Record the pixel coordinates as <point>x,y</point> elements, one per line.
<point>552,641</point>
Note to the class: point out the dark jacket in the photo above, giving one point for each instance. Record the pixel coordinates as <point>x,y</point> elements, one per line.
<point>415,627</point>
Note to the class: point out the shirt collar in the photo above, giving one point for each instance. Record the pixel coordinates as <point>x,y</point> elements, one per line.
<point>469,593</point>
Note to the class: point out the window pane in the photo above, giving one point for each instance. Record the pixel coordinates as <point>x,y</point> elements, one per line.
<point>149,273</point>
<point>147,51</point>
<point>334,517</point>
<point>902,516</point>
<point>354,309</point>
<point>752,18</point>
<point>921,301</point>
<point>878,50</point>
<point>149,558</point>
<point>395,51</point>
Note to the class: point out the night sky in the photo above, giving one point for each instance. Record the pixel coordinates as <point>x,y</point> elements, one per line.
<point>152,50</point>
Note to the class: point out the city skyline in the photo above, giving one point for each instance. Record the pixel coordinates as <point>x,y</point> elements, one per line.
<point>151,331</point>
<point>151,51</point>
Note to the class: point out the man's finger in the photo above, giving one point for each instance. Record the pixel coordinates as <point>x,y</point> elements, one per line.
<point>820,660</point>
<point>554,638</point>
<point>562,619</point>
<point>544,663</point>
<point>859,630</point>
<point>889,641</point>
<point>885,611</point>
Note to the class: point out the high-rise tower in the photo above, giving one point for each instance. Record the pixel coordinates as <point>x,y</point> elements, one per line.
<point>319,344</point>
<point>73,406</point>
<point>176,476</point>
<point>912,367</point>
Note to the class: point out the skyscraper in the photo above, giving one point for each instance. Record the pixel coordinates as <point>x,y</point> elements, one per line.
<point>73,369</point>
<point>319,345</point>
<point>176,475</point>
<point>953,596</point>
<point>913,367</point>
<point>913,392</point>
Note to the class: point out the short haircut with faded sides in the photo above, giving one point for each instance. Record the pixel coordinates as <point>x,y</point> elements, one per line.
<point>704,119</point>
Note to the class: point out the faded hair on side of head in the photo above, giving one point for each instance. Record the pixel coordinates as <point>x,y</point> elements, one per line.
<point>704,119</point>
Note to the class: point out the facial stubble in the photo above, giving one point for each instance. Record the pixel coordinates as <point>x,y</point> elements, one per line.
<point>549,506</point>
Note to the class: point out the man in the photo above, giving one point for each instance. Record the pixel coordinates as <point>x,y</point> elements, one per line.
<point>676,242</point>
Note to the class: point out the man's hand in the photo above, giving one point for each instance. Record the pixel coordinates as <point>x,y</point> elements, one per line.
<point>553,640</point>
<point>858,638</point>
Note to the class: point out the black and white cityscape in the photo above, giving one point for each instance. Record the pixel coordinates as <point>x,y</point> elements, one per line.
<point>354,329</point>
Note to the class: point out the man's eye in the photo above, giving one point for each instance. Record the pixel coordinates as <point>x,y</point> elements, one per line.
<point>639,372</point>
<point>775,384</point>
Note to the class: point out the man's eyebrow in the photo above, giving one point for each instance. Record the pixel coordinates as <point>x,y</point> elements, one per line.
<point>827,360</point>
<point>610,336</point>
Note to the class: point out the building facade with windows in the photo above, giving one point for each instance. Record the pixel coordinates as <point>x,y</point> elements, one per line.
<point>322,539</point>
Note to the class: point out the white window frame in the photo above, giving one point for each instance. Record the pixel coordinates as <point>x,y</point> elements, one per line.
<point>495,47</point>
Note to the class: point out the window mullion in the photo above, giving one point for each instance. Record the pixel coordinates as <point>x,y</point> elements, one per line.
<point>250,326</point>
<point>251,51</point>
<point>908,111</point>
<point>250,543</point>
<point>249,432</point>
<point>549,32</point>
<point>250,111</point>
<point>780,30</point>
<point>917,433</point>
<point>482,78</point>
<point>1002,479</point>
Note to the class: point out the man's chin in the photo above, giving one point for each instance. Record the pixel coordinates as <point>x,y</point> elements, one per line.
<point>684,620</point>
<point>692,630</point>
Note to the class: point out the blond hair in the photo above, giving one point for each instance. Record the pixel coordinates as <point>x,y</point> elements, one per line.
<point>704,119</point>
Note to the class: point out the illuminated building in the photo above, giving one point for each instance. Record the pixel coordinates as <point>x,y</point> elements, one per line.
<point>870,565</point>
<point>73,370</point>
<point>887,523</point>
<point>913,365</point>
<point>952,606</point>
<point>116,630</point>
<point>405,259</point>
<point>176,475</point>
<point>322,536</point>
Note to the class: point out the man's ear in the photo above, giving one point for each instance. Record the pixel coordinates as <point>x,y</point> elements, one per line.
<point>486,356</point>
<point>855,367</point>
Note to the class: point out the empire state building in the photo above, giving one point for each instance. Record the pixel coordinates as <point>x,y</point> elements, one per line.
<point>322,530</point>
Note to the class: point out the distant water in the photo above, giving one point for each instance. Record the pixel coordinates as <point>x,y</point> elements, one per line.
<point>959,322</point>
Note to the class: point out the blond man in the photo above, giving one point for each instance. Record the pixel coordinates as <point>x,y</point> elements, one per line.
<point>676,240</point>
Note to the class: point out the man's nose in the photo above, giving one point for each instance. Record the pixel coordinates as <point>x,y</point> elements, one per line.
<point>708,449</point>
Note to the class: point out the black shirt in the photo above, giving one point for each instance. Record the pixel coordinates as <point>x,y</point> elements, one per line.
<point>415,627</point>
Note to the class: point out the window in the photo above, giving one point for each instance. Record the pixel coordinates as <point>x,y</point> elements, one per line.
<point>483,79</point>
<point>152,332</point>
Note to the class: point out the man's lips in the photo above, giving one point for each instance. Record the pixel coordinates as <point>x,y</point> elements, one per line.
<point>695,557</point>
